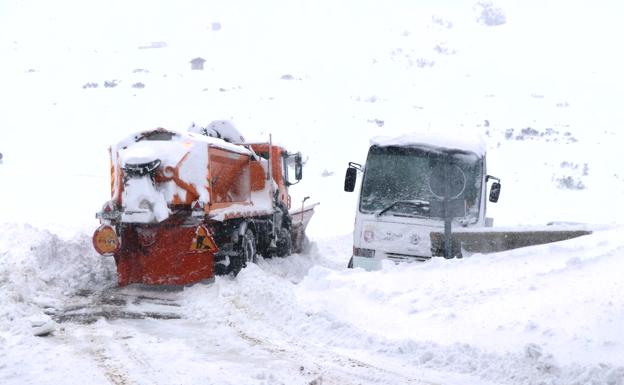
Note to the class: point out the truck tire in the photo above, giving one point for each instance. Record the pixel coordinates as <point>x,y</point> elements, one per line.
<point>221,269</point>
<point>246,253</point>
<point>248,247</point>
<point>298,239</point>
<point>284,243</point>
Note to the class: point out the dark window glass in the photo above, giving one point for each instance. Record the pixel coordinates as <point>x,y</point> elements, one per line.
<point>406,181</point>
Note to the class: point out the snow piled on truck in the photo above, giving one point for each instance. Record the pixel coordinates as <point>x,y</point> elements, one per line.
<point>222,129</point>
<point>182,155</point>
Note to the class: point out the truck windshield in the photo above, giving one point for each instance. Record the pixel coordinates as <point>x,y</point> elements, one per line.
<point>413,181</point>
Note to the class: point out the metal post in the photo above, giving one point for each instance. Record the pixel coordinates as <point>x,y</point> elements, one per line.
<point>272,193</point>
<point>448,242</point>
<point>302,203</point>
<point>269,170</point>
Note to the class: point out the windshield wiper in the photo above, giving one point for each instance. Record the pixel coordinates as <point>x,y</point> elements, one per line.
<point>415,203</point>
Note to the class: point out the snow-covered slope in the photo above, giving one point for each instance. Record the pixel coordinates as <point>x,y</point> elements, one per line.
<point>540,81</point>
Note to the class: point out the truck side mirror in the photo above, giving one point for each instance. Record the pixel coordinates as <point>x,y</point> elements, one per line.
<point>350,177</point>
<point>495,192</point>
<point>298,167</point>
<point>293,168</point>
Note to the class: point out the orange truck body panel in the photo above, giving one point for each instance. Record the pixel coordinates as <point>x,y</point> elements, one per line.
<point>229,178</point>
<point>276,167</point>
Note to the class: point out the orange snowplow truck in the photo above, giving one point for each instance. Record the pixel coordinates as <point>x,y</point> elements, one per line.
<point>187,206</point>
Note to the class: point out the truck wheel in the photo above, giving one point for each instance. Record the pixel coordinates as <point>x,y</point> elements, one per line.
<point>246,253</point>
<point>220,269</point>
<point>298,238</point>
<point>350,265</point>
<point>284,243</point>
<point>248,247</point>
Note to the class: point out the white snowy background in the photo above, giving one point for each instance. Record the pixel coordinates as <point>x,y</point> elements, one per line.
<point>541,80</point>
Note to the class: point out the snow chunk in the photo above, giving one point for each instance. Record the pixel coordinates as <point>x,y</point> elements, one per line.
<point>42,325</point>
<point>169,152</point>
<point>222,129</point>
<point>142,203</point>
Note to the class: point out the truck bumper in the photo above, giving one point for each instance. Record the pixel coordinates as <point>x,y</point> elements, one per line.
<point>366,263</point>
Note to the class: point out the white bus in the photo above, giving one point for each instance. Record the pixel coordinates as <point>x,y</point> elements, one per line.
<point>410,185</point>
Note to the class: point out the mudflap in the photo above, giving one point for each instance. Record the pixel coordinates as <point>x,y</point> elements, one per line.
<point>165,255</point>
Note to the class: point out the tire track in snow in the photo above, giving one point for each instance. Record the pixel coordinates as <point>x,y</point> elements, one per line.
<point>331,368</point>
<point>108,344</point>
<point>325,365</point>
<point>88,344</point>
<point>121,348</point>
<point>111,370</point>
<point>111,348</point>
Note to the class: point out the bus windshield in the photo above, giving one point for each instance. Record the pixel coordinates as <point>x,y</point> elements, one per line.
<point>414,181</point>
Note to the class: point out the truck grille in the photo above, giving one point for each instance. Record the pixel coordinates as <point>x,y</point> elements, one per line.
<point>406,258</point>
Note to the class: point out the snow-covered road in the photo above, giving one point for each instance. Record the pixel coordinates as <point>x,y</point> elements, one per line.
<point>546,314</point>
<point>220,348</point>
<point>248,330</point>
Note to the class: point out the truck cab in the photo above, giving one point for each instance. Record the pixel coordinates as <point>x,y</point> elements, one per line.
<point>411,186</point>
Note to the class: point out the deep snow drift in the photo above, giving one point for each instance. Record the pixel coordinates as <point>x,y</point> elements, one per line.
<point>540,83</point>
<point>547,314</point>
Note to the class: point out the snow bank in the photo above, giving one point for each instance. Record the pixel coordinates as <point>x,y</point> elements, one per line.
<point>492,317</point>
<point>546,314</point>
<point>39,271</point>
<point>488,319</point>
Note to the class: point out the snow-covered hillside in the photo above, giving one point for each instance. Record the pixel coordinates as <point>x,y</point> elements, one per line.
<point>541,81</point>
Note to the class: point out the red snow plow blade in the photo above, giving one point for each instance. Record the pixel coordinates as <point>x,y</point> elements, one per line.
<point>165,255</point>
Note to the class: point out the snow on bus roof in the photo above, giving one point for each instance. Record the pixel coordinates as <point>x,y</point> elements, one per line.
<point>458,141</point>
